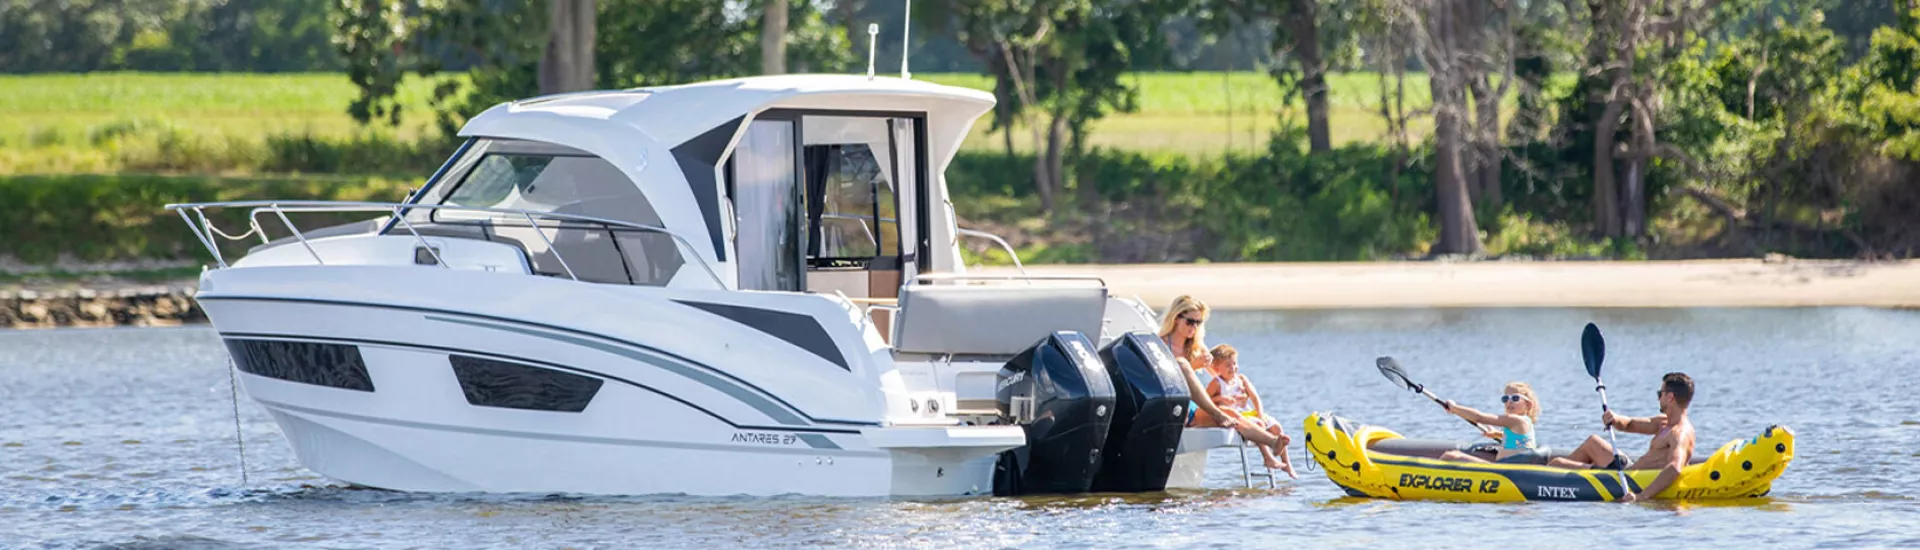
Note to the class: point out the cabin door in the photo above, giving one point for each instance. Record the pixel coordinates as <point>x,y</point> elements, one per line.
<point>861,178</point>
<point>769,219</point>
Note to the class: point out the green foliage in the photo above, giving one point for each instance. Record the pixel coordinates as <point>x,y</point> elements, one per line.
<point>1886,88</point>
<point>1284,205</point>
<point>165,35</point>
<point>106,218</point>
<point>1769,72</point>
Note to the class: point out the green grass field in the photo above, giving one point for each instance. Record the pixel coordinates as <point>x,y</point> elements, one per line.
<point>93,123</point>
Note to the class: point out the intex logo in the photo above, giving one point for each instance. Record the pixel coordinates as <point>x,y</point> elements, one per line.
<point>1557,492</point>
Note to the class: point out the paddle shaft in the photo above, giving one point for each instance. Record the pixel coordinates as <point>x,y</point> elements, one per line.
<point>1622,473</point>
<point>1443,404</point>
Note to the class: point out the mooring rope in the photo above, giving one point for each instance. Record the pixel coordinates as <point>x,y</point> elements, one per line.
<point>233,391</point>
<point>253,228</point>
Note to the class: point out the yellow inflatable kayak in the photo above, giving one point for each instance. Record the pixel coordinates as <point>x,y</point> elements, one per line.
<point>1369,461</point>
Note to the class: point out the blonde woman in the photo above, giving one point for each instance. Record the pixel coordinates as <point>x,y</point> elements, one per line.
<point>1183,329</point>
<point>1521,413</point>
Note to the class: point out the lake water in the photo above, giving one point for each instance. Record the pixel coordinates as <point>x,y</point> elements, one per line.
<point>125,439</point>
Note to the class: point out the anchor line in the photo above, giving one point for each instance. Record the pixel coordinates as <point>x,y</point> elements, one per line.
<point>239,441</point>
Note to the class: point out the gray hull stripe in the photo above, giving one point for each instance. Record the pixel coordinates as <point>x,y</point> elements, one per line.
<point>817,442</point>
<point>758,402</point>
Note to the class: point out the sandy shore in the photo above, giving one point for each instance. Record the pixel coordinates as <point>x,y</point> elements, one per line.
<point>1697,283</point>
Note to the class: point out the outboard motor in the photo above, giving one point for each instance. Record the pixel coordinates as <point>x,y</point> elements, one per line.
<point>1149,412</point>
<point>1060,393</point>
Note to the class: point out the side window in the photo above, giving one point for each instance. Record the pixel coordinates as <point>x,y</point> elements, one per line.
<point>539,182</point>
<point>547,178</point>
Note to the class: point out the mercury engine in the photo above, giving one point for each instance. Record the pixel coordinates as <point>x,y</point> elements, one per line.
<point>1149,412</point>
<point>1059,392</point>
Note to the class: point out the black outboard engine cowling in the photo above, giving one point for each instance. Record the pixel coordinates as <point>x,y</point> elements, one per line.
<point>1149,412</point>
<point>1060,393</point>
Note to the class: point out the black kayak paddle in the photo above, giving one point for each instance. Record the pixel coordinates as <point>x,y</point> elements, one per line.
<point>1593,351</point>
<point>1391,369</point>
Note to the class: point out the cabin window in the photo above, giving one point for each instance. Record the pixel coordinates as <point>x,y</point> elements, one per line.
<point>490,383</point>
<point>858,217</point>
<point>537,177</point>
<point>330,365</point>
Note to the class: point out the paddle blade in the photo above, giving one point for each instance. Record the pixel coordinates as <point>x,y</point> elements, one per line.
<point>1593,349</point>
<point>1391,369</point>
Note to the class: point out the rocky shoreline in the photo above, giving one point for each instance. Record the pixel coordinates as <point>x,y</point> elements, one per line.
<point>139,306</point>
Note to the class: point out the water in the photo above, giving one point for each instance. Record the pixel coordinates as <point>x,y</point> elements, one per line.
<point>125,439</point>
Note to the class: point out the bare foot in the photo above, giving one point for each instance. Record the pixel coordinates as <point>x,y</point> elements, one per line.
<point>1274,463</point>
<point>1288,468</point>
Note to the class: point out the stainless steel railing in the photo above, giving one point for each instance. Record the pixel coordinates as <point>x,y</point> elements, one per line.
<point>204,229</point>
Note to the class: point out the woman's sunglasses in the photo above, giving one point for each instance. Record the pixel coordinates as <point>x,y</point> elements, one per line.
<point>1192,322</point>
<point>1512,398</point>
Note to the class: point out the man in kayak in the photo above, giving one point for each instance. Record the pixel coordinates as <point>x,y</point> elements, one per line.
<point>1670,450</point>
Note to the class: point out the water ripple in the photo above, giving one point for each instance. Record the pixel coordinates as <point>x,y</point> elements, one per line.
<point>124,438</point>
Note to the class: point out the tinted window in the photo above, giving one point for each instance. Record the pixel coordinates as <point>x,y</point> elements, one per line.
<point>541,183</point>
<point>489,383</point>
<point>330,365</point>
<point>522,175</point>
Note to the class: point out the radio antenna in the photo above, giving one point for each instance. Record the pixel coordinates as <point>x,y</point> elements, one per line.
<point>906,28</point>
<point>873,38</point>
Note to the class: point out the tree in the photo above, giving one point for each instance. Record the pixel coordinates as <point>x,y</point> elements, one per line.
<point>1629,48</point>
<point>1057,66</point>
<point>1304,38</point>
<point>773,38</point>
<point>648,43</point>
<point>1442,45</point>
<point>568,64</point>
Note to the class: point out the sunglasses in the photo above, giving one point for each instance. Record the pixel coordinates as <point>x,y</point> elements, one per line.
<point>1658,393</point>
<point>1512,398</point>
<point>1192,322</point>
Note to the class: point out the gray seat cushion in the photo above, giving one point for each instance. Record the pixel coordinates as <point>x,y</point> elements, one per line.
<point>992,320</point>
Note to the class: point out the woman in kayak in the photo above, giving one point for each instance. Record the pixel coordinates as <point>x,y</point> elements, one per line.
<point>1515,423</point>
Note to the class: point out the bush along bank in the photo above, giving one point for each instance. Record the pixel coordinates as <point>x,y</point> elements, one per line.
<point>1359,202</point>
<point>107,218</point>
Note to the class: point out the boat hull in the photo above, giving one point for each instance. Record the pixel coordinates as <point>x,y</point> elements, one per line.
<point>682,403</point>
<point>1740,469</point>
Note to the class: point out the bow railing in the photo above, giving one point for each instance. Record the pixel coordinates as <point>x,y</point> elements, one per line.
<point>208,234</point>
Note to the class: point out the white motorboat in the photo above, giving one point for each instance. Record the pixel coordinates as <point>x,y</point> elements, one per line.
<point>747,286</point>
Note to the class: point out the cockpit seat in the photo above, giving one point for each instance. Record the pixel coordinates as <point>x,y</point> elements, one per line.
<point>992,320</point>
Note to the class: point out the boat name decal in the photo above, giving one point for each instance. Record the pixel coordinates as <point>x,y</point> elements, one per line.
<point>762,438</point>
<point>1450,484</point>
<point>1557,492</point>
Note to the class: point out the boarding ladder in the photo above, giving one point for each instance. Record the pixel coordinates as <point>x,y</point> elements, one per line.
<point>1248,472</point>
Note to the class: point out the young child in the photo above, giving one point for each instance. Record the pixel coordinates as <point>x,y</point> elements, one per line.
<point>1520,412</point>
<point>1235,394</point>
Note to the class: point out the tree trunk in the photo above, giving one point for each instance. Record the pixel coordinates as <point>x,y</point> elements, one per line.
<point>773,38</point>
<point>1606,195</point>
<point>567,65</point>
<point>848,9</point>
<point>1635,219</point>
<point>586,32</point>
<point>1057,153</point>
<point>1459,232</point>
<point>1313,73</point>
<point>1487,154</point>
